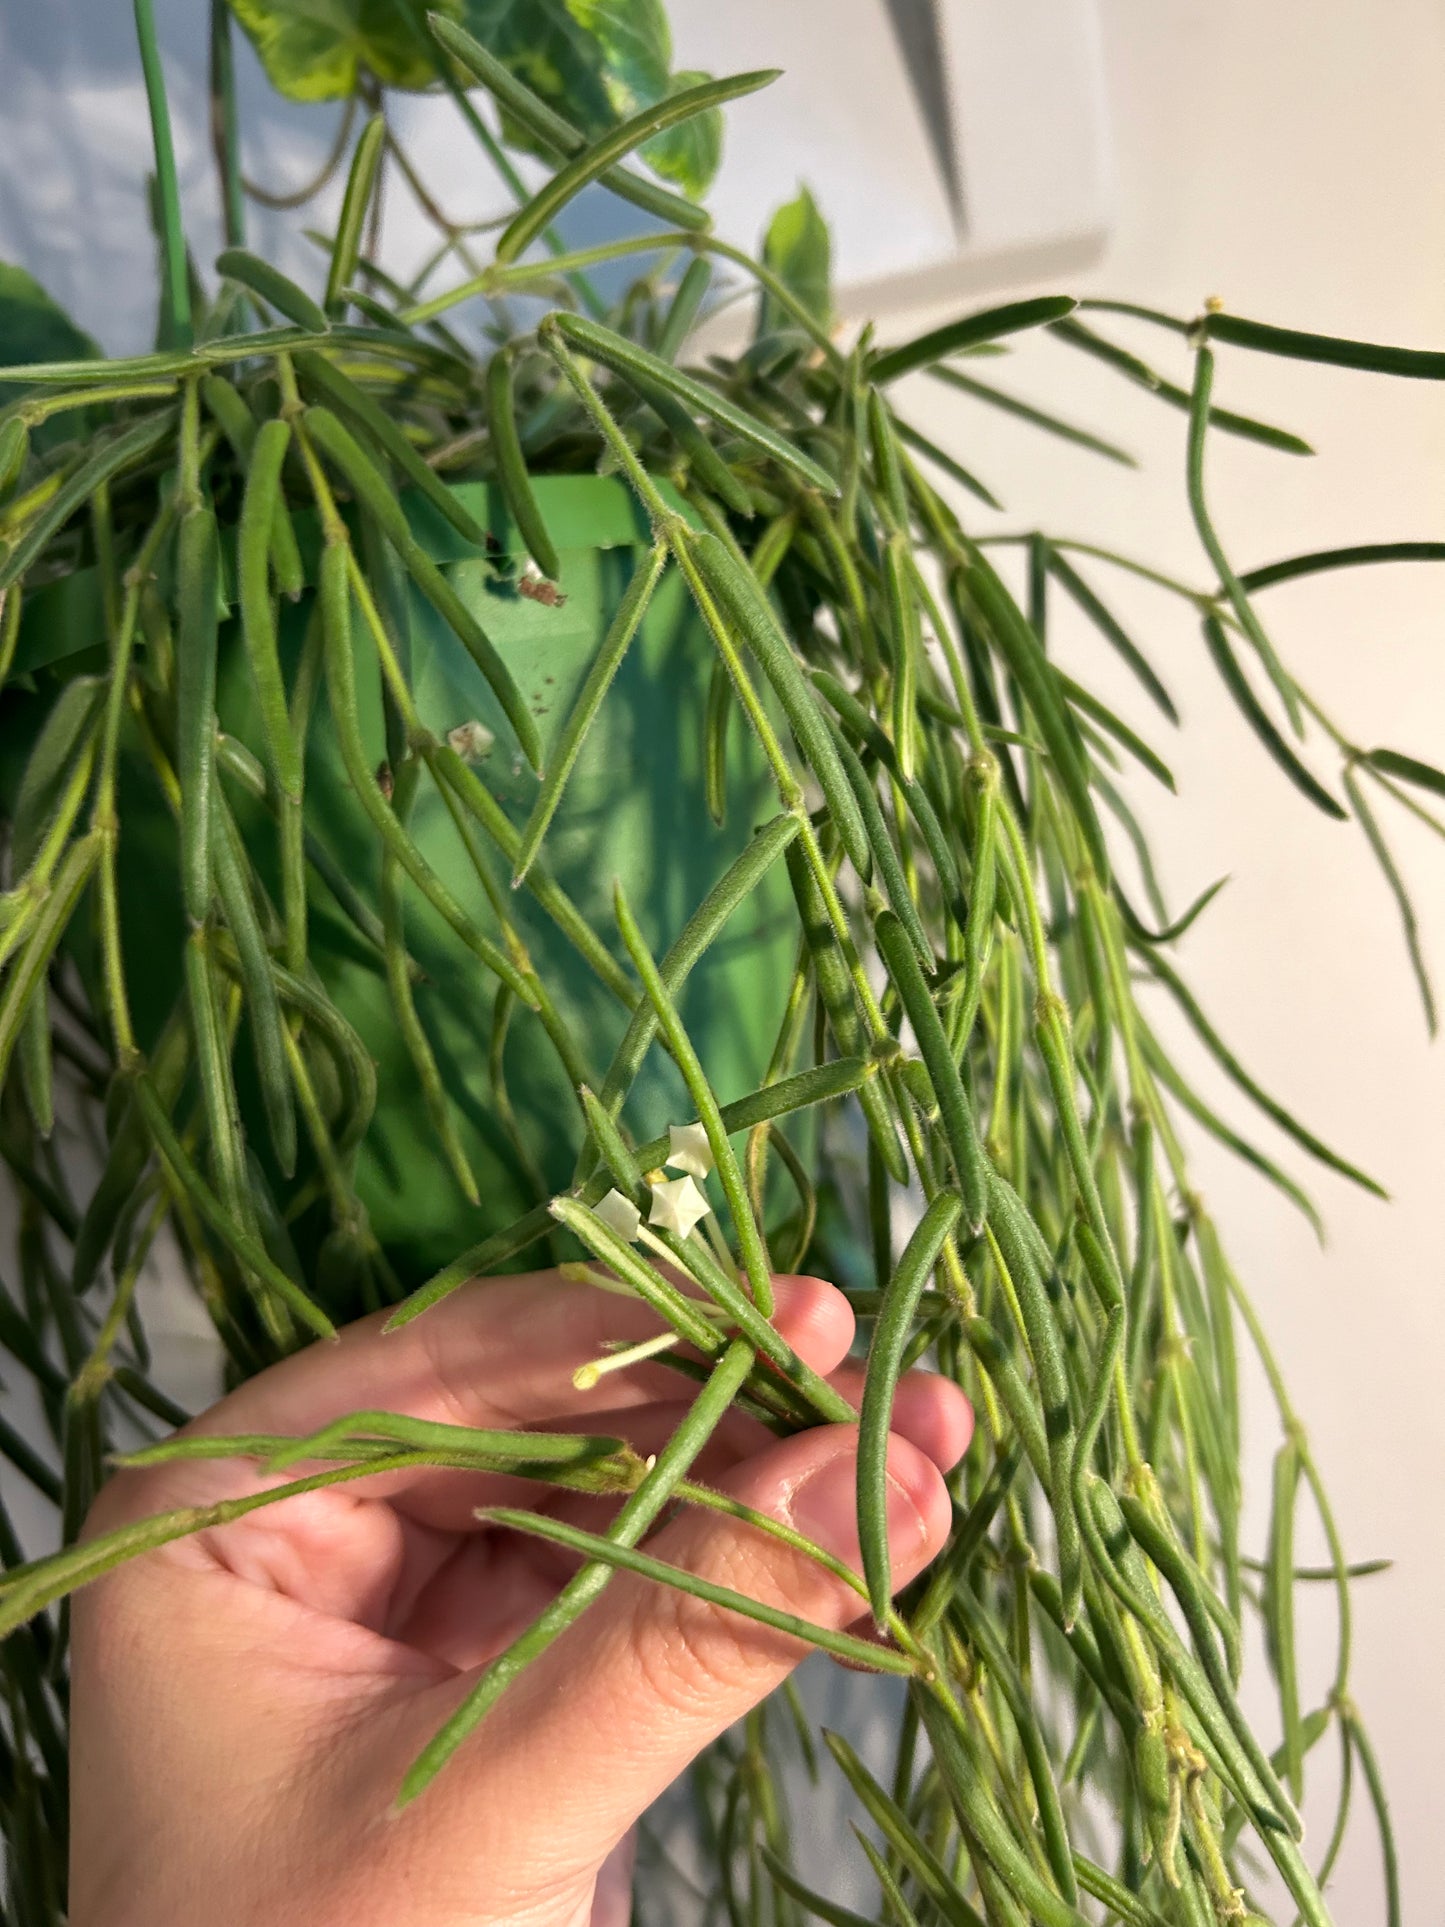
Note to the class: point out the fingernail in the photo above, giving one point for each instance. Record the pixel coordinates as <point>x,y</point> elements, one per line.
<point>825,1507</point>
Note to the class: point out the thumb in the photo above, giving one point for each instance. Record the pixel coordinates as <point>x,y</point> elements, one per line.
<point>617,1708</point>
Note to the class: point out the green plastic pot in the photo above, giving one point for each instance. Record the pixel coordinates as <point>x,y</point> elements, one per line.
<point>633,808</point>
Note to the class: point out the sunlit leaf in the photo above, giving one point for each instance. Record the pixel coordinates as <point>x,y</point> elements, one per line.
<point>598,62</point>
<point>544,45</point>
<point>318,49</point>
<point>688,155</point>
<point>799,249</point>
<point>635,47</point>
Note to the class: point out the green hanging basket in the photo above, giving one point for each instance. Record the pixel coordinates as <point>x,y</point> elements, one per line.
<point>634,807</point>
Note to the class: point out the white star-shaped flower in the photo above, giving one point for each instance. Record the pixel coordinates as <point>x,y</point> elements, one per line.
<point>619,1214</point>
<point>677,1205</point>
<point>690,1151</point>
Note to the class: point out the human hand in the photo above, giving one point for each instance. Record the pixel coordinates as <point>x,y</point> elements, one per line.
<point>246,1701</point>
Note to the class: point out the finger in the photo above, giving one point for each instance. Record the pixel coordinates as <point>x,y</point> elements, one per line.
<point>436,1601</point>
<point>501,1352</point>
<point>382,1552</point>
<point>649,1676</point>
<point>448,1501</point>
<point>929,1410</point>
<point>463,1592</point>
<point>367,1549</point>
<point>612,1903</point>
<point>467,1590</point>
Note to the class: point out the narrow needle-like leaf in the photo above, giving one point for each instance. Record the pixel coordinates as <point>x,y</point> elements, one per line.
<point>614,646</point>
<point>860,1652</point>
<point>891,1333</point>
<point>597,161</point>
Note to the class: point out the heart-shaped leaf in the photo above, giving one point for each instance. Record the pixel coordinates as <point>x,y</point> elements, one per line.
<point>598,62</point>
<point>317,49</point>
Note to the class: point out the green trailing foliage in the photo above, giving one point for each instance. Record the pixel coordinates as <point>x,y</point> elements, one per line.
<point>935,823</point>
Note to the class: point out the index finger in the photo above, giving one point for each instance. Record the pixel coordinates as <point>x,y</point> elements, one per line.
<point>500,1352</point>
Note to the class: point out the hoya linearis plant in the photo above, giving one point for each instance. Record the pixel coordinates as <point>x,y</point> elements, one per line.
<point>961,1018</point>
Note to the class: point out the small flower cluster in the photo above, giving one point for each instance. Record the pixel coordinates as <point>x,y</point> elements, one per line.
<point>678,1204</point>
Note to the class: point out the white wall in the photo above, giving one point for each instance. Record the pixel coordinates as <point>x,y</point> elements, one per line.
<point>1287,156</point>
